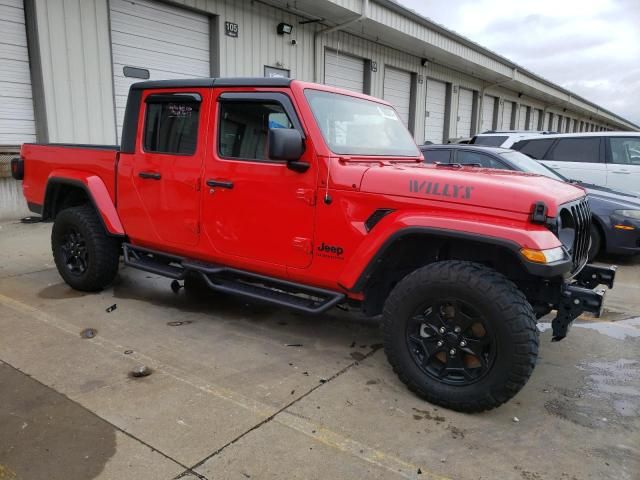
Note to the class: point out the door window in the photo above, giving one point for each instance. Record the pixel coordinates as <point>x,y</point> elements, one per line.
<point>534,148</point>
<point>436,156</point>
<point>244,128</point>
<point>586,150</point>
<point>171,124</point>
<point>466,157</point>
<point>625,150</point>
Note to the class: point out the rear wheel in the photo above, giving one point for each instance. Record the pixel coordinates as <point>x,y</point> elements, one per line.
<point>460,335</point>
<point>86,257</point>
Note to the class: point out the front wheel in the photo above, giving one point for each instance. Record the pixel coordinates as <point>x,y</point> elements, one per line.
<point>460,335</point>
<point>87,258</point>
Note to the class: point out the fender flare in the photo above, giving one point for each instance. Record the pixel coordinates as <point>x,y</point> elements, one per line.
<point>96,191</point>
<point>365,260</point>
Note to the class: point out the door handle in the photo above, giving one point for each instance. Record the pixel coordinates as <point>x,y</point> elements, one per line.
<point>220,183</point>
<point>623,172</point>
<point>150,175</point>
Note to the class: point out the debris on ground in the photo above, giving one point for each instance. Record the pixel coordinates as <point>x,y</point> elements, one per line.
<point>516,419</point>
<point>323,380</point>
<point>88,333</point>
<point>31,220</point>
<point>111,308</point>
<point>294,345</point>
<point>141,371</point>
<point>128,352</point>
<point>175,286</point>
<point>179,323</point>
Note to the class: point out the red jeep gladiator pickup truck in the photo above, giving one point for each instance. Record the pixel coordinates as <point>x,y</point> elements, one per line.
<point>308,196</point>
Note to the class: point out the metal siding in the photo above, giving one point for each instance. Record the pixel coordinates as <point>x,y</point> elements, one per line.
<point>397,91</point>
<point>488,107</point>
<point>507,113</point>
<point>465,113</point>
<point>435,111</point>
<point>17,124</point>
<point>168,41</point>
<point>344,71</point>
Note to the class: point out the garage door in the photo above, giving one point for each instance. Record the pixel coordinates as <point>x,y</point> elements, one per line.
<point>465,113</point>
<point>397,91</point>
<point>554,123</point>
<point>535,119</point>
<point>522,118</point>
<point>17,123</point>
<point>507,114</point>
<point>488,107</point>
<point>167,41</point>
<point>436,108</point>
<point>343,71</point>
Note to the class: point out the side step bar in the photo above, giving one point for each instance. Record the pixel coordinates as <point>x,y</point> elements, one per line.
<point>302,298</point>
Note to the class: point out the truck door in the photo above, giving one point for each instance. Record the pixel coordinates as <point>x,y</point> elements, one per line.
<point>254,207</point>
<point>159,185</point>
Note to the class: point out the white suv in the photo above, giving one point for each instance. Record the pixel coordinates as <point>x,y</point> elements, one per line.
<point>610,159</point>
<point>505,138</point>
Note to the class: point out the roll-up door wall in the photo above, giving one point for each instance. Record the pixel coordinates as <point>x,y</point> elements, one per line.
<point>397,91</point>
<point>465,113</point>
<point>488,109</point>
<point>436,107</point>
<point>535,119</point>
<point>169,42</point>
<point>507,114</point>
<point>343,71</point>
<point>17,124</point>
<point>522,118</point>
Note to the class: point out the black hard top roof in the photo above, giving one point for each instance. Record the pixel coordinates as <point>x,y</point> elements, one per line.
<point>464,146</point>
<point>214,82</point>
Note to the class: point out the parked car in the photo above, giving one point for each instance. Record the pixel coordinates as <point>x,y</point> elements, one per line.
<point>616,215</point>
<point>335,208</point>
<point>504,138</point>
<point>608,159</point>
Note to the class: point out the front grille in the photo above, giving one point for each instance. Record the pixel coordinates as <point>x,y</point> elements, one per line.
<point>581,214</point>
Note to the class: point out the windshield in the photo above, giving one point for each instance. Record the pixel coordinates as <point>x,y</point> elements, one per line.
<point>527,164</point>
<point>354,126</point>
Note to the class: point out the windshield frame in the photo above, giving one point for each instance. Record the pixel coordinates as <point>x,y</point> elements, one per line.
<point>555,175</point>
<point>409,154</point>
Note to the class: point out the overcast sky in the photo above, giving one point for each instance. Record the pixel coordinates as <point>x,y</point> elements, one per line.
<point>589,47</point>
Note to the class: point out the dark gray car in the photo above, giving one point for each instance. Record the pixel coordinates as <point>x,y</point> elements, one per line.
<point>616,215</point>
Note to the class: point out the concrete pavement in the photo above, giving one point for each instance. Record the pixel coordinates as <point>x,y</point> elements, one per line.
<point>244,391</point>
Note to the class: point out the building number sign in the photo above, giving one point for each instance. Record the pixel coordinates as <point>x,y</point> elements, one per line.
<point>231,29</point>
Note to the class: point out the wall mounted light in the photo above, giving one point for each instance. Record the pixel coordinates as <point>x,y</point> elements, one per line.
<point>424,62</point>
<point>284,28</point>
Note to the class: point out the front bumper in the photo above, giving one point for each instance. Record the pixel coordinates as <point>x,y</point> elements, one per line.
<point>582,294</point>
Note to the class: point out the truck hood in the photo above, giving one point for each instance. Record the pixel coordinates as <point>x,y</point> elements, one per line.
<point>495,189</point>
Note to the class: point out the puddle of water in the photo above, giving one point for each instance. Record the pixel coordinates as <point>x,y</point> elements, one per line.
<point>618,330</point>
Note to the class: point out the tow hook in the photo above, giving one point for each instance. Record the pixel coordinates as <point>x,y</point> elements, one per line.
<point>575,300</point>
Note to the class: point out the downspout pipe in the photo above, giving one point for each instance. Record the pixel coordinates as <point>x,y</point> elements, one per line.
<point>340,26</point>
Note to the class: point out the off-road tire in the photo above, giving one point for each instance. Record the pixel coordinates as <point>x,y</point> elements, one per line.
<point>596,242</point>
<point>506,311</point>
<point>103,251</point>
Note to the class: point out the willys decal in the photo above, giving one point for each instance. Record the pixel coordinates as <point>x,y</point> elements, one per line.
<point>451,190</point>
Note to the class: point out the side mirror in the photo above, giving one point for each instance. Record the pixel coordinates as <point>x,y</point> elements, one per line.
<point>287,144</point>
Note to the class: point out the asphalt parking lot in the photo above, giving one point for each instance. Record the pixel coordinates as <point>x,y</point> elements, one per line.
<point>243,391</point>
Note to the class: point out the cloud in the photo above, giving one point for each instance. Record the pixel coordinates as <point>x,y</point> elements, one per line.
<point>591,47</point>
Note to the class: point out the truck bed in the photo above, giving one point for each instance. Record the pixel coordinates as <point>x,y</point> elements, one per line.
<point>48,160</point>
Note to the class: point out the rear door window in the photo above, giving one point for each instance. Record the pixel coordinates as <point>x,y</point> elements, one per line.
<point>437,155</point>
<point>171,123</point>
<point>584,150</point>
<point>534,148</point>
<point>625,150</point>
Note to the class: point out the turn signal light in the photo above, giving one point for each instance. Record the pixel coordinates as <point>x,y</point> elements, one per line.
<point>624,227</point>
<point>543,256</point>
